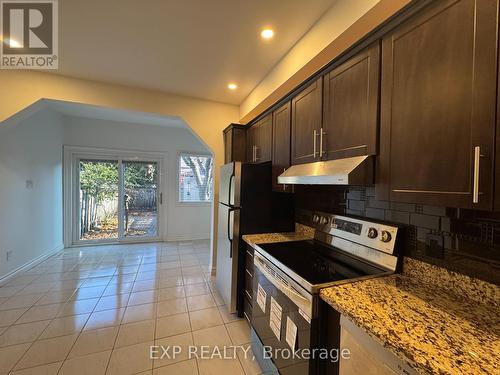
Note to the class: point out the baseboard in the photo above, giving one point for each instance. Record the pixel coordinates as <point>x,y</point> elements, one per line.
<point>188,237</point>
<point>32,263</point>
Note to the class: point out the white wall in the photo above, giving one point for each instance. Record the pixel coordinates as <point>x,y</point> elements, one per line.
<point>183,221</point>
<point>329,27</point>
<point>30,218</point>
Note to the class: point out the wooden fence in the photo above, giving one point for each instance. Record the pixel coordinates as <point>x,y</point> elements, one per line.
<point>92,213</point>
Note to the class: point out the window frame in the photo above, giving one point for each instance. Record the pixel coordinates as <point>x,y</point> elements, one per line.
<point>178,192</point>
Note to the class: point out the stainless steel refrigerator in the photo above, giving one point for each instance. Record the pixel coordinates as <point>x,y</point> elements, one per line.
<point>247,205</point>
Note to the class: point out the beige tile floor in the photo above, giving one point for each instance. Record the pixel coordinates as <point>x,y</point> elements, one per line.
<point>97,310</point>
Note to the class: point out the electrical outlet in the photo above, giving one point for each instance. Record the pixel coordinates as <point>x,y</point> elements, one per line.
<point>8,255</point>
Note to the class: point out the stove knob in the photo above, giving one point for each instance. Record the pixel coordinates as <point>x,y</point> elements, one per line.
<point>324,220</point>
<point>386,236</point>
<point>315,219</point>
<point>372,233</point>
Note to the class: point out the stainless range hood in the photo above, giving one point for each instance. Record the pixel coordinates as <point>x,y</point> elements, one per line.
<point>357,170</point>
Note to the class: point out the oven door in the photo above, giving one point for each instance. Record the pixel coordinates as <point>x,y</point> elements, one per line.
<point>281,318</point>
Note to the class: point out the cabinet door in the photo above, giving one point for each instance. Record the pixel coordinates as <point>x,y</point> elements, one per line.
<point>281,145</point>
<point>350,105</point>
<point>251,143</point>
<point>306,121</point>
<point>228,147</point>
<point>438,106</point>
<point>235,143</point>
<point>264,143</point>
<point>239,143</point>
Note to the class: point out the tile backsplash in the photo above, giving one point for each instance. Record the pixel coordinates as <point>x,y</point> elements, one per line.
<point>465,241</point>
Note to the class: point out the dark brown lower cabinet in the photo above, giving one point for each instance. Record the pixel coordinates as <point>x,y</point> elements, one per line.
<point>248,297</point>
<point>438,103</point>
<point>281,145</point>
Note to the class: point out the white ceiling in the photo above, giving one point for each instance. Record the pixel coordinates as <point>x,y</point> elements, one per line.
<point>188,47</point>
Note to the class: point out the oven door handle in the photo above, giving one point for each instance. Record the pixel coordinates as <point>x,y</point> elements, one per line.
<point>279,284</point>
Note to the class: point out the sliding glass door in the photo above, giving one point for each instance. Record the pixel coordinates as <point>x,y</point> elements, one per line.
<point>116,200</point>
<point>140,203</point>
<point>98,200</point>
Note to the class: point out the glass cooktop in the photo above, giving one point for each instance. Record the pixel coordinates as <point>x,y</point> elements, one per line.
<point>318,263</point>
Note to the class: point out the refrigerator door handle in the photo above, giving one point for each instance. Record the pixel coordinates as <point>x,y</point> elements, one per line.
<point>230,188</point>
<point>228,231</point>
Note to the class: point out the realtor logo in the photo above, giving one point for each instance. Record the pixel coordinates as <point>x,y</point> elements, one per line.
<point>29,34</point>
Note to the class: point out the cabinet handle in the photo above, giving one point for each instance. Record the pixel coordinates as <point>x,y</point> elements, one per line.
<point>257,157</point>
<point>321,152</point>
<point>315,134</point>
<point>253,153</point>
<point>477,159</point>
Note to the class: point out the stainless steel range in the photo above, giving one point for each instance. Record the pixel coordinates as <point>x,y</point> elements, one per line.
<point>289,276</point>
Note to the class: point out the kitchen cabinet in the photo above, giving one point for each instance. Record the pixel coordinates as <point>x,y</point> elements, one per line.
<point>234,143</point>
<point>497,152</point>
<point>264,145</point>
<point>438,99</point>
<point>306,123</point>
<point>281,145</point>
<point>251,143</point>
<point>366,355</point>
<point>350,106</point>
<point>259,140</point>
<point>249,270</point>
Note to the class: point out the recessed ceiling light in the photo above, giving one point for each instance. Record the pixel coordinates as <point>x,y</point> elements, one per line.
<point>267,33</point>
<point>232,86</point>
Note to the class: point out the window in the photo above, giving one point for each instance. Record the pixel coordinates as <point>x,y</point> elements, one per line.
<point>195,178</point>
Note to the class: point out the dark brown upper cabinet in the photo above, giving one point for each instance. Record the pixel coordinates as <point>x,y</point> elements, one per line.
<point>497,152</point>
<point>251,142</point>
<point>259,140</point>
<point>350,106</point>
<point>438,99</point>
<point>235,143</point>
<point>281,145</point>
<point>264,147</point>
<point>306,123</point>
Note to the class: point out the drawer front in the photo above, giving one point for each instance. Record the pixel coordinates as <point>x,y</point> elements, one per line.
<point>249,273</point>
<point>249,258</point>
<point>249,284</point>
<point>247,309</point>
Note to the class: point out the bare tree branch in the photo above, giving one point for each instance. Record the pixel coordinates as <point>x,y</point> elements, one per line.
<point>202,168</point>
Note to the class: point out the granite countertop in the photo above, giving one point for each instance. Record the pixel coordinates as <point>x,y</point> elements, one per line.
<point>437,321</point>
<point>301,233</point>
